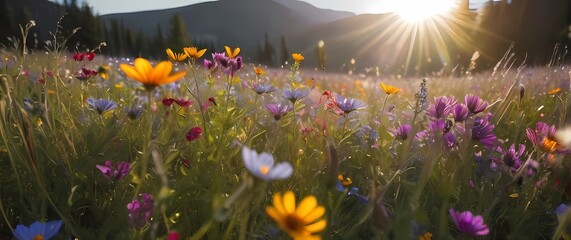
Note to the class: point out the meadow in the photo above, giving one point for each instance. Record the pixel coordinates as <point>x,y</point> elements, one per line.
<point>216,147</point>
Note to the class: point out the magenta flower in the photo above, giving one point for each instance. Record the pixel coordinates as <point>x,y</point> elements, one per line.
<point>194,134</point>
<point>208,64</point>
<point>468,223</point>
<point>278,110</point>
<point>114,173</point>
<point>85,74</point>
<point>403,131</point>
<point>441,107</point>
<point>460,112</point>
<point>475,104</point>
<point>483,131</point>
<point>168,101</point>
<point>183,102</point>
<point>511,157</point>
<point>141,212</point>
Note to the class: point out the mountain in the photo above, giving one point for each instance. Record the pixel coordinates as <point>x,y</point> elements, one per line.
<point>19,12</point>
<point>241,23</point>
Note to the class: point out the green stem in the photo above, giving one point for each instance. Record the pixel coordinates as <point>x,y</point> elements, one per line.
<point>203,230</point>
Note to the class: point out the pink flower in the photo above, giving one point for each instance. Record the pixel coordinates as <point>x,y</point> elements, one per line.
<point>194,134</point>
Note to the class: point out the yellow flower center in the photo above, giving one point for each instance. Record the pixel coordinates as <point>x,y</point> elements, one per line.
<point>38,237</point>
<point>293,223</point>
<point>265,170</point>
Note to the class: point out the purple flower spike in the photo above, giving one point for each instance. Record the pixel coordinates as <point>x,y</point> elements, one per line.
<point>403,131</point>
<point>467,223</point>
<point>114,173</point>
<point>441,107</point>
<point>278,110</point>
<point>483,131</point>
<point>141,212</point>
<point>460,112</point>
<point>475,104</point>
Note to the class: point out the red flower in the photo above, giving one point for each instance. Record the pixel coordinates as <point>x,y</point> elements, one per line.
<point>183,102</point>
<point>78,57</point>
<point>212,100</point>
<point>168,101</point>
<point>194,134</point>
<point>90,56</point>
<point>174,235</point>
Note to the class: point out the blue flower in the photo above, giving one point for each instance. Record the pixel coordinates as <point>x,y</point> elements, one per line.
<point>134,112</point>
<point>260,88</point>
<point>295,94</point>
<point>352,192</point>
<point>348,105</point>
<point>38,230</point>
<point>262,165</point>
<point>101,105</point>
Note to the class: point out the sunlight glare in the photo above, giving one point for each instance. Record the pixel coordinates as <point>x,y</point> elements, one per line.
<point>419,10</point>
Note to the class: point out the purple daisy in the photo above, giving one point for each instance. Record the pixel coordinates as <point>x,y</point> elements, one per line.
<point>483,131</point>
<point>348,105</point>
<point>441,107</point>
<point>475,104</point>
<point>278,110</point>
<point>460,112</point>
<point>296,94</point>
<point>114,172</point>
<point>468,223</point>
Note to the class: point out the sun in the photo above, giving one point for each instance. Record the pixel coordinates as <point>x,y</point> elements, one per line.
<point>419,10</point>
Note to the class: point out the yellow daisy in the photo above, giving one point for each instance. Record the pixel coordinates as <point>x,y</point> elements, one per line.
<point>300,222</point>
<point>150,77</point>
<point>389,89</point>
<point>297,57</point>
<point>194,52</point>
<point>177,57</point>
<point>232,54</point>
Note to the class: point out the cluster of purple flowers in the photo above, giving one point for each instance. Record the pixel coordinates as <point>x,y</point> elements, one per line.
<point>229,66</point>
<point>141,212</point>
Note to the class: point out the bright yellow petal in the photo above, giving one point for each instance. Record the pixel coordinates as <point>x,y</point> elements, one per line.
<point>315,214</point>
<point>310,237</point>
<point>143,66</point>
<point>306,206</point>
<point>228,51</point>
<point>131,72</point>
<point>274,214</point>
<point>200,53</point>
<point>316,227</point>
<point>181,56</point>
<point>173,78</point>
<point>289,202</point>
<point>236,52</point>
<point>161,72</point>
<point>170,54</point>
<point>278,203</point>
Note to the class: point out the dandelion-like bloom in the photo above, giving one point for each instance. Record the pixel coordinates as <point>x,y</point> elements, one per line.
<point>134,112</point>
<point>483,131</point>
<point>194,134</point>
<point>460,112</point>
<point>260,88</point>
<point>114,173</point>
<point>300,222</point>
<point>468,223</point>
<point>102,106</point>
<point>150,77</point>
<point>278,110</point>
<point>293,95</point>
<point>297,57</point>
<point>475,104</point>
<point>403,131</point>
<point>441,107</point>
<point>232,53</point>
<point>348,105</point>
<point>388,89</point>
<point>38,230</point>
<point>262,165</point>
<point>177,57</point>
<point>193,52</point>
<point>141,212</point>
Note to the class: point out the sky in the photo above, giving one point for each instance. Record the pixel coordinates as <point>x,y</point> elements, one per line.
<point>357,6</point>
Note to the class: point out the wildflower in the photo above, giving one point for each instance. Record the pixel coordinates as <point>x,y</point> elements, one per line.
<point>183,102</point>
<point>263,88</point>
<point>177,57</point>
<point>259,71</point>
<point>483,131</point>
<point>102,106</point>
<point>114,173</point>
<point>511,157</point>
<point>297,57</point>
<point>468,223</point>
<point>460,112</point>
<point>232,54</point>
<point>208,64</point>
<point>278,110</point>
<point>425,236</point>
<point>38,230</point>
<point>141,212</point>
<point>403,131</point>
<point>561,209</point>
<point>300,222</point>
<point>193,52</point>
<point>234,64</point>
<point>420,97</point>
<point>544,137</point>
<point>85,74</point>
<point>174,235</point>
<point>168,101</point>
<point>262,165</point>
<point>78,57</point>
<point>367,136</point>
<point>90,56</point>
<point>134,112</point>
<point>441,107</point>
<point>389,89</point>
<point>293,95</point>
<point>194,134</point>
<point>348,105</point>
<point>532,167</point>
<point>475,104</point>
<point>103,71</point>
<point>150,77</point>
<point>220,59</point>
<point>344,180</point>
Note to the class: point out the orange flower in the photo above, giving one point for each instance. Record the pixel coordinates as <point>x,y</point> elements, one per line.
<point>193,52</point>
<point>259,71</point>
<point>389,89</point>
<point>232,54</point>
<point>150,77</point>
<point>297,57</point>
<point>345,181</point>
<point>298,222</point>
<point>554,91</point>
<point>177,57</point>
